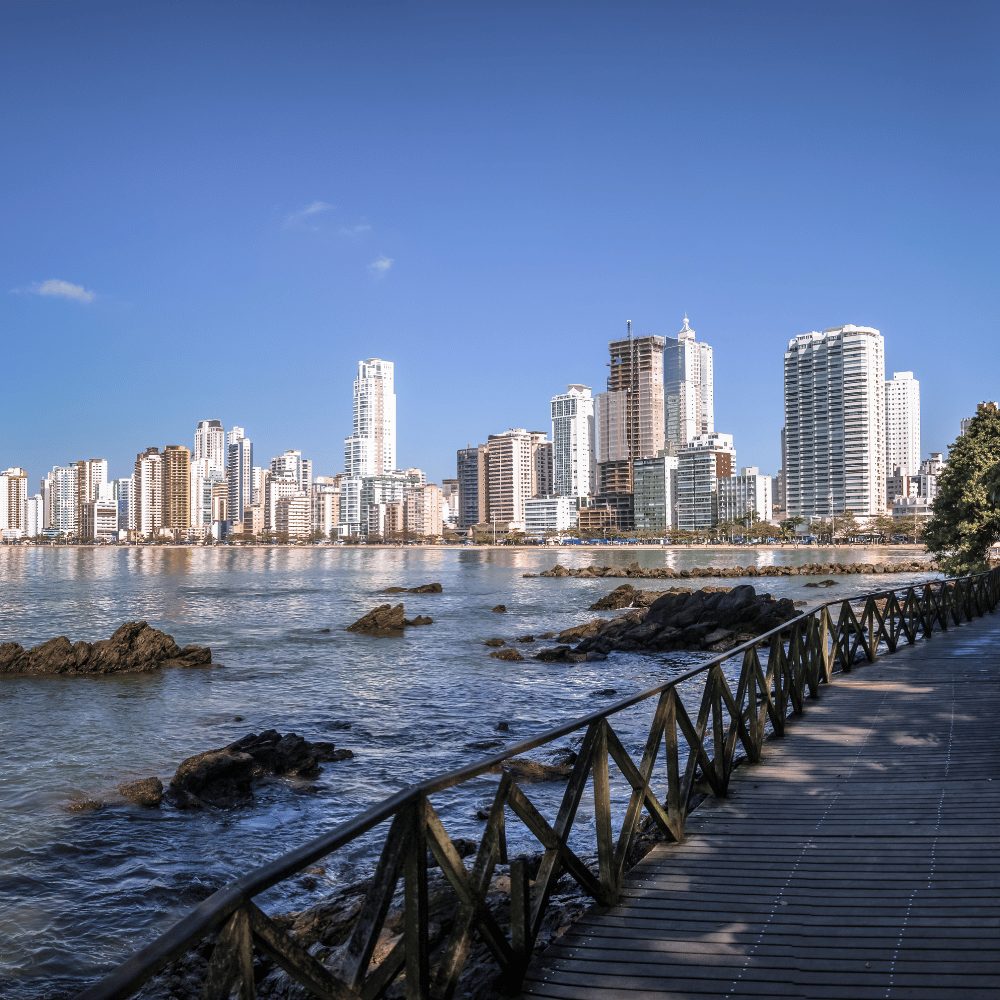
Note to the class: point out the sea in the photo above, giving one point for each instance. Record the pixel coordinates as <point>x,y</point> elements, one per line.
<point>81,890</point>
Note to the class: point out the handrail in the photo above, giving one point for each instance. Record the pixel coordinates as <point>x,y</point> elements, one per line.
<point>803,653</point>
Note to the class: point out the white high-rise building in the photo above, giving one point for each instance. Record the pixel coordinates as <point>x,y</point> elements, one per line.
<point>902,424</point>
<point>239,473</point>
<point>371,448</point>
<point>13,503</point>
<point>210,446</point>
<point>291,465</point>
<point>146,515</point>
<point>749,493</point>
<point>59,500</point>
<point>688,388</point>
<point>34,513</point>
<point>573,458</point>
<point>835,423</point>
<point>702,463</point>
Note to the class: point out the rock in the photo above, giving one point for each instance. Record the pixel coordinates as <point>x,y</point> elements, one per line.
<point>502,727</point>
<point>555,654</point>
<point>525,638</point>
<point>134,648</point>
<point>484,745</point>
<point>822,583</point>
<point>224,778</point>
<point>603,693</point>
<point>578,632</point>
<point>419,620</point>
<point>494,642</point>
<point>713,620</point>
<point>83,805</point>
<point>508,654</point>
<point>424,588</point>
<point>534,770</point>
<point>147,792</point>
<point>385,620</point>
<point>500,609</point>
<point>635,571</point>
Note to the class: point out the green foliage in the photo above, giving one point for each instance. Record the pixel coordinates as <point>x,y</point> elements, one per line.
<point>966,518</point>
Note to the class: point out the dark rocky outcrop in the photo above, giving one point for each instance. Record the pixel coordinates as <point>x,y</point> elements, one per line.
<point>822,583</point>
<point>635,571</point>
<point>627,596</point>
<point>224,778</point>
<point>134,648</point>
<point>495,642</point>
<point>508,654</point>
<point>696,621</point>
<point>527,769</point>
<point>500,609</point>
<point>386,620</point>
<point>147,792</point>
<point>424,588</point>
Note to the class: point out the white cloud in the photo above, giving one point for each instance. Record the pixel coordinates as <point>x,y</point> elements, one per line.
<point>56,288</point>
<point>381,265</point>
<point>357,230</point>
<point>302,216</point>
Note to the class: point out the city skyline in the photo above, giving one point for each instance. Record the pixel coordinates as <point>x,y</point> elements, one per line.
<point>199,229</point>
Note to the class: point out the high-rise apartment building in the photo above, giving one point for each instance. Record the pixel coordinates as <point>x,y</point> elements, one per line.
<point>146,514</point>
<point>291,465</point>
<point>239,473</point>
<point>371,448</point>
<point>210,445</point>
<point>511,475</point>
<point>746,494</point>
<point>91,484</point>
<point>422,511</point>
<point>654,499</point>
<point>701,464</point>
<point>835,423</point>
<point>14,503</point>
<point>688,388</point>
<point>630,415</point>
<point>176,465</point>
<point>59,507</point>
<point>472,474</point>
<point>902,424</point>
<point>573,458</point>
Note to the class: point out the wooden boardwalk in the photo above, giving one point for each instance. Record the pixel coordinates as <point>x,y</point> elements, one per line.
<point>858,860</point>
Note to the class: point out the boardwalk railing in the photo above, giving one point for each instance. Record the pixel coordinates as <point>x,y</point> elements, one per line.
<point>690,750</point>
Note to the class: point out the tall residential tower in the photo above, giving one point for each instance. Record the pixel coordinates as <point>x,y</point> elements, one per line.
<point>371,448</point>
<point>902,424</point>
<point>835,423</point>
<point>573,442</point>
<point>688,388</point>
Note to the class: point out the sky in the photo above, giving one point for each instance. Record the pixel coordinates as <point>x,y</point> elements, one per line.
<point>213,210</point>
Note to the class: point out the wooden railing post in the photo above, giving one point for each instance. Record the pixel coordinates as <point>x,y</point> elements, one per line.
<point>415,909</point>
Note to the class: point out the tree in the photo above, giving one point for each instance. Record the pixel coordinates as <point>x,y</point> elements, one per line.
<point>966,517</point>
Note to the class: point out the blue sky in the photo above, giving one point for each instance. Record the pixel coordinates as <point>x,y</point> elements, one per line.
<point>242,199</point>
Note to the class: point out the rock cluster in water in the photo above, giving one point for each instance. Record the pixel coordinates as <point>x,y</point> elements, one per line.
<point>704,620</point>
<point>134,648</point>
<point>224,778</point>
<point>635,571</point>
<point>387,620</point>
<point>424,588</point>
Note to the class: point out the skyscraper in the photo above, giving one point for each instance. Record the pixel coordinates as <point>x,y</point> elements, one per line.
<point>291,465</point>
<point>210,445</point>
<point>91,484</point>
<point>371,448</point>
<point>703,461</point>
<point>14,503</point>
<point>630,416</point>
<point>573,442</point>
<point>835,423</point>
<point>688,388</point>
<point>902,424</point>
<point>176,487</point>
<point>472,474</point>
<point>239,472</point>
<point>146,515</point>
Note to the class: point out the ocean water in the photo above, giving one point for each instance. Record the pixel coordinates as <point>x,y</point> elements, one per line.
<point>79,891</point>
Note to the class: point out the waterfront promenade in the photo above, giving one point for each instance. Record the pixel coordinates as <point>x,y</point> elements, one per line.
<point>858,861</point>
